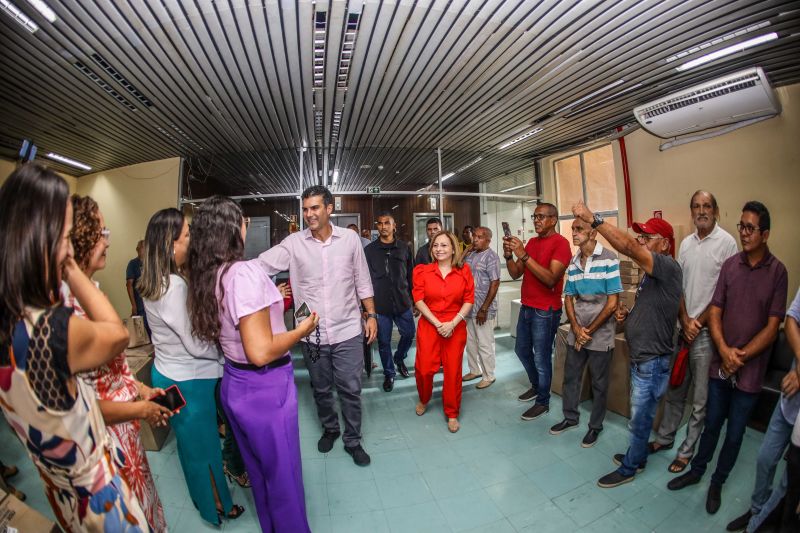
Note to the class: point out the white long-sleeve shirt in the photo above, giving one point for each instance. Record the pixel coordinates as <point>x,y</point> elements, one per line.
<point>179,355</point>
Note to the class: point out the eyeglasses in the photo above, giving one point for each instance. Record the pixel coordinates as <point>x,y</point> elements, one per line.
<point>106,234</point>
<point>246,222</point>
<point>747,229</point>
<point>644,239</point>
<point>540,217</point>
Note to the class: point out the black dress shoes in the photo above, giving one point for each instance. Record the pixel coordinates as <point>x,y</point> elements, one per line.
<point>326,441</point>
<point>401,368</point>
<point>388,384</point>
<point>681,482</point>
<point>714,498</point>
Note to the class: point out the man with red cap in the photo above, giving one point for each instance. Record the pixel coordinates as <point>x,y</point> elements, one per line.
<point>649,328</point>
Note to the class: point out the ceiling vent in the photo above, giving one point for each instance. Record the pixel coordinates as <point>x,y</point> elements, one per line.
<point>119,78</point>
<point>103,85</point>
<point>734,98</point>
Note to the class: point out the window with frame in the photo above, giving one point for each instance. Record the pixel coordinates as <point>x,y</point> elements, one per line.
<point>589,176</point>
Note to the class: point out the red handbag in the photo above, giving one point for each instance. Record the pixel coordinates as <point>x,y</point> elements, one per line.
<point>679,368</point>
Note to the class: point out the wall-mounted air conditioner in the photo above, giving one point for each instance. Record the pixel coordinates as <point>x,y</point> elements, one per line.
<point>737,97</point>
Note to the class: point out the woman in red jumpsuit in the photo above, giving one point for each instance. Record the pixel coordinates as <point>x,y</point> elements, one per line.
<point>444,292</point>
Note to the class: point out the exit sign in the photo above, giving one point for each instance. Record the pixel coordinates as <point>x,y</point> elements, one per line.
<point>373,190</point>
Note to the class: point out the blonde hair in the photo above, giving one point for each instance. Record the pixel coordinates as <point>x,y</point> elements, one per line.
<point>457,260</point>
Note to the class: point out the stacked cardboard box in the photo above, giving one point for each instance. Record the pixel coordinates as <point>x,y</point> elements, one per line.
<point>16,516</point>
<point>557,383</point>
<point>629,273</point>
<point>619,382</point>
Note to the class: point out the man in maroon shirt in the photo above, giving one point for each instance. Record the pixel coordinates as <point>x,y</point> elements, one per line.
<point>541,263</point>
<point>747,308</point>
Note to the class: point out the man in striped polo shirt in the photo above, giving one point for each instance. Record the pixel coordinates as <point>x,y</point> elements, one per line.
<point>590,298</point>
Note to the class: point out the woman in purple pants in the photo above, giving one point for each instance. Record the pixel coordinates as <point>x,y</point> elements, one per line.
<point>234,302</point>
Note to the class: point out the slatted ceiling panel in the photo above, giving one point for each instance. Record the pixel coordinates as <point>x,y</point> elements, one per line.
<point>237,79</point>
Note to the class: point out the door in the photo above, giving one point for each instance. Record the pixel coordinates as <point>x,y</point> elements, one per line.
<point>421,220</point>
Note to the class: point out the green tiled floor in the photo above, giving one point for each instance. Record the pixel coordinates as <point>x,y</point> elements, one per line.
<point>497,474</point>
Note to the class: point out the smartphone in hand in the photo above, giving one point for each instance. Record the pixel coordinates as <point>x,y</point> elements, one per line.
<point>172,399</point>
<point>302,312</point>
<point>506,229</point>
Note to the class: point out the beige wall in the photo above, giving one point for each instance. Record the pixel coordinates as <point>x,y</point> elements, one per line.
<point>7,167</point>
<point>128,197</point>
<point>758,162</point>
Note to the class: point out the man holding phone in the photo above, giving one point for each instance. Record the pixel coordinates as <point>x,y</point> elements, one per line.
<point>330,275</point>
<point>541,263</point>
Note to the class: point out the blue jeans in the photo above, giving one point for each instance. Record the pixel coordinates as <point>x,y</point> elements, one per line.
<point>764,499</point>
<point>405,325</point>
<point>536,331</point>
<point>724,402</point>
<point>648,384</point>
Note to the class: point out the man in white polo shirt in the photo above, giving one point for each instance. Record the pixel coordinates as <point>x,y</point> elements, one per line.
<point>701,256</point>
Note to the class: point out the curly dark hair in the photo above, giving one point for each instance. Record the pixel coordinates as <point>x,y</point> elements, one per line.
<point>86,228</point>
<point>216,242</point>
<point>33,204</point>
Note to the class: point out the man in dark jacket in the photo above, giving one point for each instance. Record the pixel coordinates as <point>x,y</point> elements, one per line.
<point>390,267</point>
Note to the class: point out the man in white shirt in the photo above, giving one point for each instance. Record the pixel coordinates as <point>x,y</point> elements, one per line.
<point>330,275</point>
<point>701,256</point>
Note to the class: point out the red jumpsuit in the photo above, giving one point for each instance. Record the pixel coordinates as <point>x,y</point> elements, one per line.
<point>444,297</point>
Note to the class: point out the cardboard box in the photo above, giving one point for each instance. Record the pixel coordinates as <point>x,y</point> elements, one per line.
<point>559,359</point>
<point>15,515</point>
<point>136,331</point>
<point>145,350</point>
<point>630,280</point>
<point>152,438</point>
<point>619,383</point>
<point>628,297</point>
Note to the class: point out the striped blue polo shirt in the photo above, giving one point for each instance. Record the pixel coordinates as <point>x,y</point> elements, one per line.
<point>590,287</point>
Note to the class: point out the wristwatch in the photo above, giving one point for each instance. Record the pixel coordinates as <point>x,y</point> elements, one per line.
<point>372,315</point>
<point>597,221</point>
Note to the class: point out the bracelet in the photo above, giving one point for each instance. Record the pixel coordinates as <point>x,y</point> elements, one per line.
<point>508,257</point>
<point>462,316</point>
<point>525,258</point>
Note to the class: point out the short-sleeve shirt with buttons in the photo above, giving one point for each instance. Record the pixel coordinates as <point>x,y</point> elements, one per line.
<point>701,261</point>
<point>748,296</point>
<point>590,286</point>
<point>485,266</point>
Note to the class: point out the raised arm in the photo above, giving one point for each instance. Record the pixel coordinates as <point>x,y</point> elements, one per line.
<point>261,345</point>
<point>549,276</point>
<point>95,341</point>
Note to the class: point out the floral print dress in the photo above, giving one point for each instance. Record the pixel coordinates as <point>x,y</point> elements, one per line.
<point>63,431</point>
<point>114,382</point>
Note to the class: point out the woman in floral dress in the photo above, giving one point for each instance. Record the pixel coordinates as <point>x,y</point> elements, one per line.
<point>43,347</point>
<point>119,394</point>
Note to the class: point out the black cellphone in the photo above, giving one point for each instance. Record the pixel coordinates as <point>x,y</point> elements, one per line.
<point>302,312</point>
<point>172,399</point>
<point>506,229</point>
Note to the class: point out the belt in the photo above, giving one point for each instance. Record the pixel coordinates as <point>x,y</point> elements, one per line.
<point>285,360</point>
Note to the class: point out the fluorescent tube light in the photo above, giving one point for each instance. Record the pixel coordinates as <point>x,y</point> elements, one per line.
<point>718,40</point>
<point>591,95</point>
<point>68,161</point>
<point>728,50</point>
<point>43,9</point>
<point>448,176</point>
<point>335,176</point>
<point>520,138</point>
<point>19,17</point>
<point>519,187</point>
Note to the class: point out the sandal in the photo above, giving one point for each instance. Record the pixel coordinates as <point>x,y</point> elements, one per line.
<point>235,512</point>
<point>420,409</point>
<point>9,471</point>
<point>452,425</point>
<point>653,447</point>
<point>243,480</point>
<point>679,464</point>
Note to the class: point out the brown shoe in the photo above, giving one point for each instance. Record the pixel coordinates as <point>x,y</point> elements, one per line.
<point>484,383</point>
<point>470,377</point>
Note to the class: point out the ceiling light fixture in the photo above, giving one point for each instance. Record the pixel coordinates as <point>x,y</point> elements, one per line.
<point>591,95</point>
<point>728,50</point>
<point>335,176</point>
<point>20,17</point>
<point>68,161</point>
<point>520,138</point>
<point>448,176</point>
<point>531,184</point>
<point>718,40</point>
<point>43,10</point>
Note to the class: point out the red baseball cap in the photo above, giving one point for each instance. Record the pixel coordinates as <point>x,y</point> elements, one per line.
<point>657,226</point>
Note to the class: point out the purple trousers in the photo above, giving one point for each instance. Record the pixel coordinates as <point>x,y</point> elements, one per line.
<point>262,409</point>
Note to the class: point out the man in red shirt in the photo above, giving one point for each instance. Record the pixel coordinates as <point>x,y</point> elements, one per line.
<point>541,263</point>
